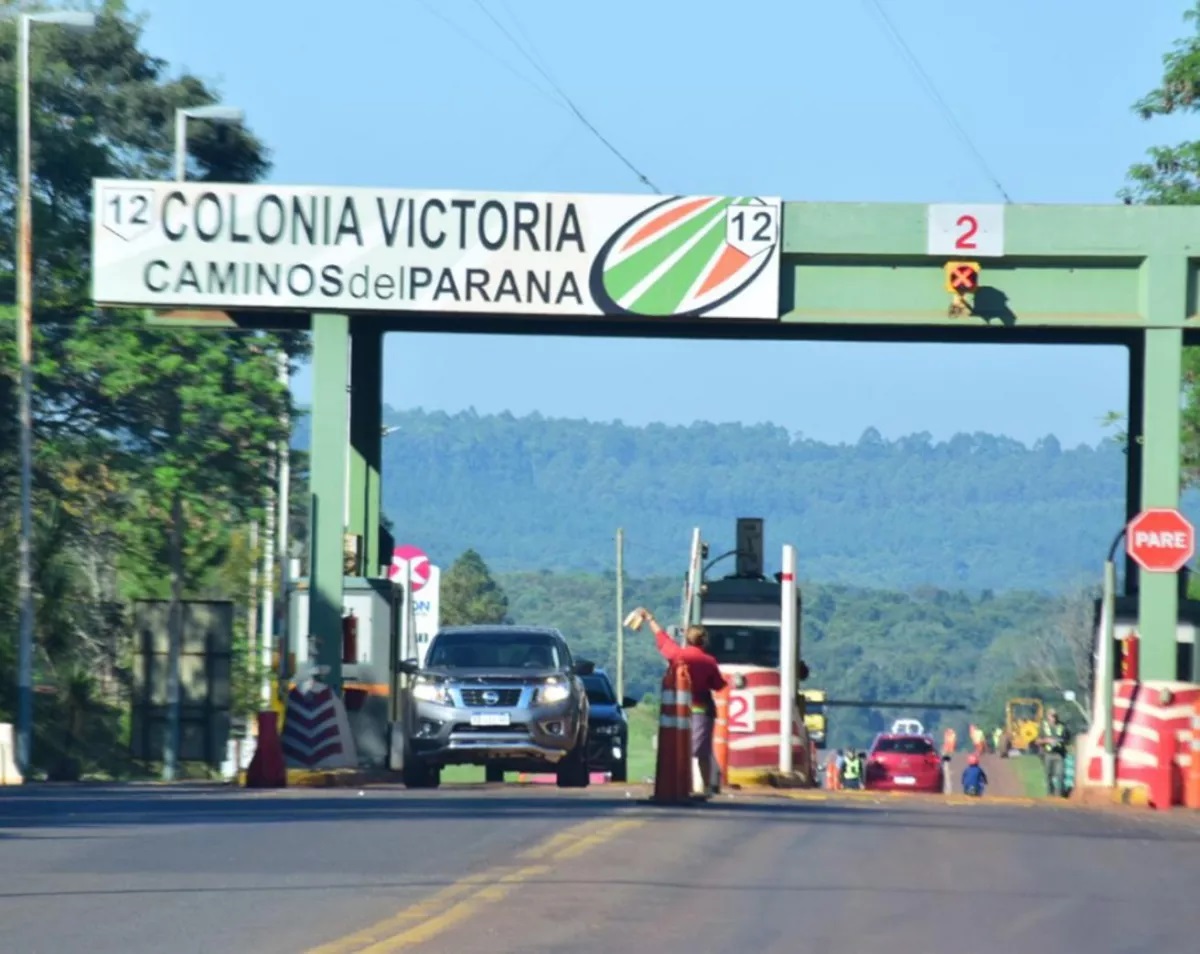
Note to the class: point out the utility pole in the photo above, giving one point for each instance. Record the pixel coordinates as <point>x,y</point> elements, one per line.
<point>283,526</point>
<point>620,614</point>
<point>267,617</point>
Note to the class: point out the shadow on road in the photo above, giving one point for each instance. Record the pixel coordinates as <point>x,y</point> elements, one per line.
<point>71,813</point>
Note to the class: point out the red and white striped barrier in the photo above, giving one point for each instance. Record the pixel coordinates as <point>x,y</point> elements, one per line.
<point>752,726</point>
<point>316,732</point>
<point>1191,784</point>
<point>1150,722</point>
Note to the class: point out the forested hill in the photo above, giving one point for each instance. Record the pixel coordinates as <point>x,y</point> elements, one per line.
<point>976,512</point>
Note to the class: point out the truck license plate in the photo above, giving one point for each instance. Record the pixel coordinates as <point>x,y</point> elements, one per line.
<point>491,718</point>
<point>905,780</point>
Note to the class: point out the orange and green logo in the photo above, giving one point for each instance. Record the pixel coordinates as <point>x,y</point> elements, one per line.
<point>685,256</point>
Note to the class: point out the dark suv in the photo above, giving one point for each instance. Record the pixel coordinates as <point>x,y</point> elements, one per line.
<point>608,728</point>
<point>510,698</point>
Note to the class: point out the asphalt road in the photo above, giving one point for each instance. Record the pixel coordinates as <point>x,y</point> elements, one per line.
<point>538,870</point>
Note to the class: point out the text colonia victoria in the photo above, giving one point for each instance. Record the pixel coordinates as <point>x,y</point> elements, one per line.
<point>321,221</point>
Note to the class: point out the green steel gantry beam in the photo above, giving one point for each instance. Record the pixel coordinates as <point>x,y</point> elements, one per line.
<point>1124,275</point>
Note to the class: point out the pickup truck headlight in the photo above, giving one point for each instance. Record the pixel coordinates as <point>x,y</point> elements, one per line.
<point>428,691</point>
<point>554,692</point>
<point>611,728</point>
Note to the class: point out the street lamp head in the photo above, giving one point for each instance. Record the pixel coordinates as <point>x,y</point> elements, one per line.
<point>69,19</point>
<point>216,114</point>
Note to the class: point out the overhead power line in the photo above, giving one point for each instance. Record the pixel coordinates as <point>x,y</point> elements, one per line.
<point>490,53</point>
<point>570,103</point>
<point>915,64</point>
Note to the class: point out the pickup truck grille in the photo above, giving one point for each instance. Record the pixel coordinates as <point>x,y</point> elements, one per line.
<point>463,728</point>
<point>507,697</point>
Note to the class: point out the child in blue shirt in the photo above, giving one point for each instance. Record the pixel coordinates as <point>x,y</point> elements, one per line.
<point>974,779</point>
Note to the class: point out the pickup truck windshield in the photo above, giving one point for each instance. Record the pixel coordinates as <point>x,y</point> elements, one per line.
<point>493,649</point>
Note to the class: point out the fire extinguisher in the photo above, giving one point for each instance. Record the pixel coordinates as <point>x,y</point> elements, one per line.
<point>1129,657</point>
<point>350,638</point>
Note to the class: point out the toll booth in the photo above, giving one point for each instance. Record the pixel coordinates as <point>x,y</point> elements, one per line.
<point>372,641</point>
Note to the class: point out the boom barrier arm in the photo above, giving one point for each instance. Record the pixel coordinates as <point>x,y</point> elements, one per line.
<point>869,704</point>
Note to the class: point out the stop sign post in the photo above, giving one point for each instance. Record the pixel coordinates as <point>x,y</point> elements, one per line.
<point>1160,539</point>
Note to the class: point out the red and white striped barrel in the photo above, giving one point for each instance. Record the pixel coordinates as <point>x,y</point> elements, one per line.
<point>752,723</point>
<point>1149,735</point>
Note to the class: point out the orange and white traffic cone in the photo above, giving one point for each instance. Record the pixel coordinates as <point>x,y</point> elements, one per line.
<point>673,776</point>
<point>721,738</point>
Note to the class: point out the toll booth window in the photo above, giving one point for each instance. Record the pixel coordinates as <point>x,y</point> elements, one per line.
<point>744,645</point>
<point>488,649</point>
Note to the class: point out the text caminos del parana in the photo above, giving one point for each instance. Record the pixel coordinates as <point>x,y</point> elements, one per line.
<point>318,221</point>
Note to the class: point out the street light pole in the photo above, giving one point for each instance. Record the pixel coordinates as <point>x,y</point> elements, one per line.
<point>70,20</point>
<point>171,744</point>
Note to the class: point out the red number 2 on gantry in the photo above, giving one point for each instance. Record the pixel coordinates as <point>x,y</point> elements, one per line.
<point>968,226</point>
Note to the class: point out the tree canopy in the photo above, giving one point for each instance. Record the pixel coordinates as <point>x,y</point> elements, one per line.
<point>470,594</point>
<point>1170,175</point>
<point>977,511</point>
<point>128,418</point>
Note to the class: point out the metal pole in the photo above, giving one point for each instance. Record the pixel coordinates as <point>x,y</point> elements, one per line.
<point>252,589</point>
<point>25,351</point>
<point>620,614</point>
<point>172,741</point>
<point>284,528</point>
<point>408,620</point>
<point>691,590</point>
<point>266,628</point>
<point>181,118</point>
<point>1108,765</point>
<point>787,658</point>
<point>349,424</point>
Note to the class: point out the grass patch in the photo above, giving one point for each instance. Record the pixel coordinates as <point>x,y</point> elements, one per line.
<point>1029,772</point>
<point>643,724</point>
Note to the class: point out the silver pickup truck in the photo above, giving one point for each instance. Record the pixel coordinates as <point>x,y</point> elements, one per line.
<point>509,698</point>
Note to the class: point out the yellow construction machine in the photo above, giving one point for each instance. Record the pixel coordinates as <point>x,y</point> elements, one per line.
<point>813,702</point>
<point>1023,723</point>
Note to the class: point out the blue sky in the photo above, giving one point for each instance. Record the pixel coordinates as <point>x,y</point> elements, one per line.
<point>810,101</point>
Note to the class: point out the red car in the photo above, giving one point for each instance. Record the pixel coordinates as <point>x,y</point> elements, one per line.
<point>907,763</point>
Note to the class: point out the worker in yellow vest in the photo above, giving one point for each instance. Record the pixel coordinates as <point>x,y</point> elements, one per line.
<point>852,772</point>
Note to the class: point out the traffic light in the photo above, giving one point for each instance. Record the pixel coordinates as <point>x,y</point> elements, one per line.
<point>962,279</point>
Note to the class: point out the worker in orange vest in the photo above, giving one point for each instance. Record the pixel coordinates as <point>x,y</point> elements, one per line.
<point>833,773</point>
<point>949,742</point>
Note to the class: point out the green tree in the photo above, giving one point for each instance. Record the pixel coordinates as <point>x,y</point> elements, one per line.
<point>470,594</point>
<point>1170,175</point>
<point>150,444</point>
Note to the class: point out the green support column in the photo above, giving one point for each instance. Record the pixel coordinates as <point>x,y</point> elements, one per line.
<point>1165,302</point>
<point>327,477</point>
<point>1133,453</point>
<point>366,429</point>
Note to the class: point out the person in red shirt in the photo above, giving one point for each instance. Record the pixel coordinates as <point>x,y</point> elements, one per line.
<point>706,679</point>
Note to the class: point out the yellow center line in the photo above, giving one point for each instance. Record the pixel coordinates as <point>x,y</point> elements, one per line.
<point>418,911</point>
<point>554,842</point>
<point>433,926</point>
<point>454,903</point>
<point>588,842</point>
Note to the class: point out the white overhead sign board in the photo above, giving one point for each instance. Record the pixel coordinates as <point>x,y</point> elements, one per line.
<point>312,248</point>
